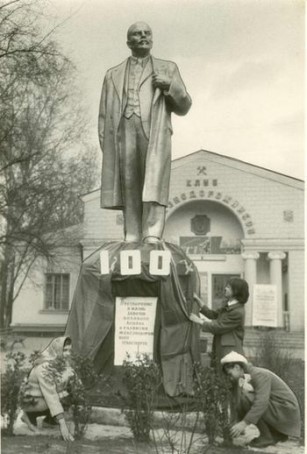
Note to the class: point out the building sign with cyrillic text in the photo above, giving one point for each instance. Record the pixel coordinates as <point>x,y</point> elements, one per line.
<point>218,196</point>
<point>134,327</point>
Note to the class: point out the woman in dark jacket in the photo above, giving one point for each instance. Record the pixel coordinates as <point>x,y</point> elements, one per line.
<point>227,323</point>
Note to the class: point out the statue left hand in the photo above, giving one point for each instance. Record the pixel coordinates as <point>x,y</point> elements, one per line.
<point>161,81</point>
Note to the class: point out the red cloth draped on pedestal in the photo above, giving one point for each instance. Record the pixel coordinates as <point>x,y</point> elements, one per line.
<point>176,339</point>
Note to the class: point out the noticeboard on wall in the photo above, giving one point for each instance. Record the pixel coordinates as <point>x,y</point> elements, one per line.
<point>265,305</point>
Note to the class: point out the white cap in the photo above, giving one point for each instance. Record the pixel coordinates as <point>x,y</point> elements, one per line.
<point>233,357</point>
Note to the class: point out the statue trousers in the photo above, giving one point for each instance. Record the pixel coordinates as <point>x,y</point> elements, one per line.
<point>141,219</point>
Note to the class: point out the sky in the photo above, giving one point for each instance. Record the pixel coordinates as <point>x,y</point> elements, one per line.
<point>242,62</point>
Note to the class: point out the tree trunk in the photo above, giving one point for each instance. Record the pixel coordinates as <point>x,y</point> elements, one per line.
<point>7,287</point>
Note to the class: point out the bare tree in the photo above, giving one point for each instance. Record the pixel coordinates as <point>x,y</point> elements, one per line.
<point>19,32</point>
<point>45,161</point>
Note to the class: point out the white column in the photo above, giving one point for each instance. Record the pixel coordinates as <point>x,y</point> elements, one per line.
<point>276,279</point>
<point>250,275</point>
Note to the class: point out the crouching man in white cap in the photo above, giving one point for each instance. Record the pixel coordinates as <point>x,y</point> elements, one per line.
<point>261,399</point>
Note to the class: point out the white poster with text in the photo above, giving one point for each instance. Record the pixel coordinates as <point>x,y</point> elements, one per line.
<point>134,327</point>
<point>265,305</point>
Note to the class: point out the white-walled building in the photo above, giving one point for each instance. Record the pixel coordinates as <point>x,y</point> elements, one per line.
<point>231,218</point>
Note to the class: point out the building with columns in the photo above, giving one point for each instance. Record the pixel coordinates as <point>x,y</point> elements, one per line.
<point>232,218</point>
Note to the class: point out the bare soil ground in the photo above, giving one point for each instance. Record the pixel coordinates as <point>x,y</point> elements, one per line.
<point>101,439</point>
<point>48,445</point>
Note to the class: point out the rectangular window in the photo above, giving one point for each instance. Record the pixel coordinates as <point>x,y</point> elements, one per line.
<point>57,292</point>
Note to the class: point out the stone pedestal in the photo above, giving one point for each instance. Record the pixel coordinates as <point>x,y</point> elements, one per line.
<point>122,269</point>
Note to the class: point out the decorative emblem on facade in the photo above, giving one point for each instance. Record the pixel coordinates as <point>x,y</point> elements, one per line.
<point>200,224</point>
<point>201,170</point>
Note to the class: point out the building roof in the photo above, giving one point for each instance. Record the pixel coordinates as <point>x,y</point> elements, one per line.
<point>240,165</point>
<point>234,163</point>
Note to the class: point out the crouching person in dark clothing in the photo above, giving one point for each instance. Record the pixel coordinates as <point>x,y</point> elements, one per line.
<point>266,402</point>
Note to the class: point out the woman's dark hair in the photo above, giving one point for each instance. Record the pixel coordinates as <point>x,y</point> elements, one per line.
<point>239,289</point>
<point>67,341</point>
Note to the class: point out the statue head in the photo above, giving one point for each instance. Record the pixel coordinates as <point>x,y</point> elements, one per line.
<point>139,39</point>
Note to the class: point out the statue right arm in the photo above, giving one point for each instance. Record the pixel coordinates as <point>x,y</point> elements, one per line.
<point>102,113</point>
<point>177,96</point>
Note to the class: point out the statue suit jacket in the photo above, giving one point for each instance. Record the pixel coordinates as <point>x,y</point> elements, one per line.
<point>156,108</point>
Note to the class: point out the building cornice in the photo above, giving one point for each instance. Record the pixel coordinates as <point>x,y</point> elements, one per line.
<point>272,244</point>
<point>38,327</point>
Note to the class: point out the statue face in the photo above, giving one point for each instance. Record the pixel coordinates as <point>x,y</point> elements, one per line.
<point>139,39</point>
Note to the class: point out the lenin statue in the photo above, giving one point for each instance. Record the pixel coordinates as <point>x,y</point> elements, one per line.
<point>138,97</point>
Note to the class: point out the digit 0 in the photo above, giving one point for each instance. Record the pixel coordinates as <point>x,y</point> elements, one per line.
<point>159,263</point>
<point>130,262</point>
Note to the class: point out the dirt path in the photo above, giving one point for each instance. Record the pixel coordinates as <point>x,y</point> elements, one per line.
<point>43,444</point>
<point>47,445</point>
<point>107,439</point>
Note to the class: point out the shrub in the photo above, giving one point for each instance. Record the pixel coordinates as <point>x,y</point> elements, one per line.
<point>77,400</point>
<point>85,378</point>
<point>11,382</point>
<point>212,393</point>
<point>142,379</point>
<point>269,355</point>
<point>179,425</point>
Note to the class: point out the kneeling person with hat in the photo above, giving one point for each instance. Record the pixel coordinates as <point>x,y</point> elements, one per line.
<point>262,399</point>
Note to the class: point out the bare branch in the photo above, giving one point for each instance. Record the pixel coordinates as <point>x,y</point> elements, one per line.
<point>39,124</point>
<point>5,5</point>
